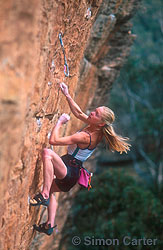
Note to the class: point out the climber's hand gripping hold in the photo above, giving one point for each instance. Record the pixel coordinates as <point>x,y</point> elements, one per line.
<point>64,88</point>
<point>64,118</point>
<point>76,110</point>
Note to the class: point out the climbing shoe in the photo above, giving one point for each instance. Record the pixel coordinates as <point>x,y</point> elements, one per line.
<point>42,228</point>
<point>38,200</point>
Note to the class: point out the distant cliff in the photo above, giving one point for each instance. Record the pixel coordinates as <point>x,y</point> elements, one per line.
<point>97,38</point>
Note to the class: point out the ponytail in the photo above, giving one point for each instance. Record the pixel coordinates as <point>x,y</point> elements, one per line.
<point>115,142</point>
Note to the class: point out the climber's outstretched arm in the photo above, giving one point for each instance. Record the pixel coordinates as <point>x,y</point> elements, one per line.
<point>76,110</point>
<point>67,140</point>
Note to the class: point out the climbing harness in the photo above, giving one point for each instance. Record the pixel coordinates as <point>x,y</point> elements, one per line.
<point>66,69</point>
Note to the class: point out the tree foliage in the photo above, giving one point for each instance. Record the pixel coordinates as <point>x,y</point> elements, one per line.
<point>137,95</point>
<point>117,206</point>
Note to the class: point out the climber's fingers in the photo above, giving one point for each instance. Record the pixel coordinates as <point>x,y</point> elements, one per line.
<point>64,118</point>
<point>64,88</point>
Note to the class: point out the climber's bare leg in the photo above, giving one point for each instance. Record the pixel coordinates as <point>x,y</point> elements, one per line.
<point>52,165</point>
<point>52,204</point>
<point>52,210</point>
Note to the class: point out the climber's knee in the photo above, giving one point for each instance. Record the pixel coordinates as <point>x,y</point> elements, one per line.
<point>47,153</point>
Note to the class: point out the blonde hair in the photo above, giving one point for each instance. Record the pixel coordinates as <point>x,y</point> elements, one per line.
<point>114,141</point>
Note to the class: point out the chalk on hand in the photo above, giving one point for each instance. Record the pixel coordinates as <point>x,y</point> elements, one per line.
<point>62,85</point>
<point>67,116</point>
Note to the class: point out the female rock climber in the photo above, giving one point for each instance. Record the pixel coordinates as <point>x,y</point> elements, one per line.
<point>81,145</point>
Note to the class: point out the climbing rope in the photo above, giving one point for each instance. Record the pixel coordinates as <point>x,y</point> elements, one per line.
<point>66,69</point>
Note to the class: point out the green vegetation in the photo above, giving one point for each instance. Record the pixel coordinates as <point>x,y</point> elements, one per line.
<point>137,95</point>
<point>117,206</point>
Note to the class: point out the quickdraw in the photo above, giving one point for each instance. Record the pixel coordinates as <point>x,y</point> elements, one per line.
<point>89,183</point>
<point>88,13</point>
<point>66,69</point>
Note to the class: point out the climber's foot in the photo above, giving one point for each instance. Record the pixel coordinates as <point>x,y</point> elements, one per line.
<point>43,228</point>
<point>38,200</point>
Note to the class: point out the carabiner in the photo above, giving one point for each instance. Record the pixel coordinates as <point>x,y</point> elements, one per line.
<point>66,70</point>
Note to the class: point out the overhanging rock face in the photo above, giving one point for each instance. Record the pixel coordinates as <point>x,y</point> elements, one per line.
<point>107,48</point>
<point>96,44</point>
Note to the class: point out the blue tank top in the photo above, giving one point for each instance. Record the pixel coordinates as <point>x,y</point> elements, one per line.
<point>79,153</point>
